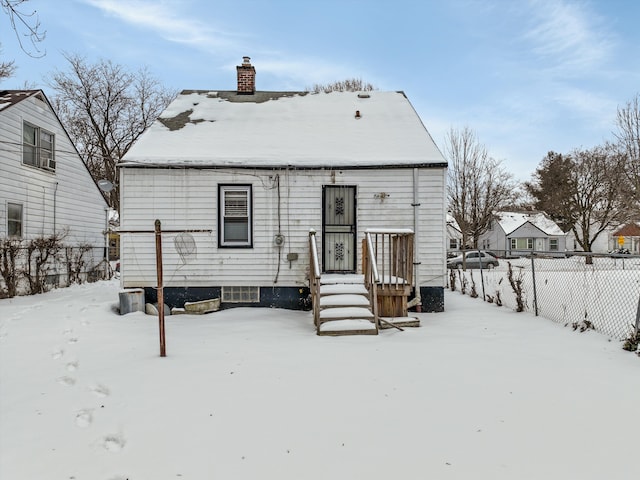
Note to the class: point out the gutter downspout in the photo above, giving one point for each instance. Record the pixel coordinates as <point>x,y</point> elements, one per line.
<point>417,299</point>
<point>55,201</point>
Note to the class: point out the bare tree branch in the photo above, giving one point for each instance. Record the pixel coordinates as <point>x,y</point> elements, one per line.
<point>105,108</point>
<point>582,191</point>
<point>628,136</point>
<point>348,85</point>
<point>7,69</point>
<point>477,185</point>
<point>24,25</point>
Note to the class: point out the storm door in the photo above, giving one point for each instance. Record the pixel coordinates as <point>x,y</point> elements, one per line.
<point>339,228</point>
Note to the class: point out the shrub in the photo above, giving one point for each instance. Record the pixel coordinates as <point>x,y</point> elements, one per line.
<point>9,251</point>
<point>516,285</point>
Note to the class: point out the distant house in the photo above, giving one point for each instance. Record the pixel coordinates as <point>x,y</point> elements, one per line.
<point>604,242</point>
<point>454,236</point>
<point>627,237</point>
<point>45,186</point>
<point>241,177</point>
<point>516,233</point>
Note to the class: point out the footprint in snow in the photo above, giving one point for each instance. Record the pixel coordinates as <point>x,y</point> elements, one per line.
<point>72,340</point>
<point>57,353</point>
<point>67,381</point>
<point>113,443</point>
<point>72,366</point>
<point>99,390</point>
<point>84,418</point>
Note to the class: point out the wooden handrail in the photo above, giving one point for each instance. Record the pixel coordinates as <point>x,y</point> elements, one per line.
<point>313,251</point>
<point>314,277</point>
<point>371,256</point>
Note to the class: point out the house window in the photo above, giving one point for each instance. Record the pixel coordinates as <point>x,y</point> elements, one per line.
<point>453,243</point>
<point>38,147</point>
<point>14,220</point>
<point>235,216</point>
<point>522,244</point>
<point>241,294</point>
<point>553,244</point>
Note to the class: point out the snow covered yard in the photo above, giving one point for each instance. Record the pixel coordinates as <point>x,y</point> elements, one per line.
<point>476,392</point>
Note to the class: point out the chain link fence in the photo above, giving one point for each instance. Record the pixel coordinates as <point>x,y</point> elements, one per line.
<point>584,290</point>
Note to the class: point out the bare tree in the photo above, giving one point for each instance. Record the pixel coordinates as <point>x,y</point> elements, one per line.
<point>105,108</point>
<point>24,25</point>
<point>628,136</point>
<point>477,184</point>
<point>582,191</point>
<point>348,85</point>
<point>7,69</point>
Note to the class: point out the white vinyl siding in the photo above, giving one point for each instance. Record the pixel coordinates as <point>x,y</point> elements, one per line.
<point>235,216</point>
<point>188,199</point>
<point>64,199</point>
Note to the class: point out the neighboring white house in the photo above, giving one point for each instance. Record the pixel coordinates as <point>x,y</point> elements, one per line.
<point>516,233</point>
<point>604,242</point>
<point>454,236</point>
<point>45,186</point>
<point>249,173</point>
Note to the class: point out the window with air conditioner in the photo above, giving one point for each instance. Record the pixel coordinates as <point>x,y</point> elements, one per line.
<point>235,214</point>
<point>38,147</point>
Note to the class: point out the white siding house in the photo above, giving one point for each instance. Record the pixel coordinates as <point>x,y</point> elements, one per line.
<point>517,233</point>
<point>247,174</point>
<point>45,186</point>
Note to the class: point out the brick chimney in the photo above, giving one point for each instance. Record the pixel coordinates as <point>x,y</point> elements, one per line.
<point>246,77</point>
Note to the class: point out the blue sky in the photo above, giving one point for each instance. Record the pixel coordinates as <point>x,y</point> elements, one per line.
<point>528,76</point>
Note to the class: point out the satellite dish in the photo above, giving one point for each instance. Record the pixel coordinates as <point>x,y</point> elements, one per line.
<point>105,185</point>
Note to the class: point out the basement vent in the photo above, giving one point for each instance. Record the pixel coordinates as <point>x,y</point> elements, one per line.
<point>240,294</point>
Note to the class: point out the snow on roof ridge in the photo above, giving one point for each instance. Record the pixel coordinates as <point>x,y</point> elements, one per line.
<point>512,220</point>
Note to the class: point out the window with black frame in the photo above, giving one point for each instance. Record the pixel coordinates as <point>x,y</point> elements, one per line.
<point>235,214</point>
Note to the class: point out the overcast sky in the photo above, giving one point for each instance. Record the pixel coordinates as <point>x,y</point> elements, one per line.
<point>529,76</point>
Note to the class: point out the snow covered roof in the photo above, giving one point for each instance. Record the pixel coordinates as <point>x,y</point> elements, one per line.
<point>628,230</point>
<point>11,97</point>
<point>511,221</point>
<point>298,129</point>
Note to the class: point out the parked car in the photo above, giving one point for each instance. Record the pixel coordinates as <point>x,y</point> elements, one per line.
<point>474,259</point>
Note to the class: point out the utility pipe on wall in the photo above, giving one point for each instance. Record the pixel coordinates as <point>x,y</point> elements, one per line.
<point>55,201</point>
<point>417,300</point>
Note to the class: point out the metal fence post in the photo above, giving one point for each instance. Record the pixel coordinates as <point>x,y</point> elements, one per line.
<point>484,299</point>
<point>533,275</point>
<point>637,319</point>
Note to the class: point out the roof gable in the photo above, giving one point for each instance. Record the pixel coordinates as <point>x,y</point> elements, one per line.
<point>628,230</point>
<point>9,98</point>
<point>512,221</point>
<point>298,129</point>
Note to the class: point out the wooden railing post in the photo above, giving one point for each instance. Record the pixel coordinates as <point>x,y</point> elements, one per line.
<point>314,278</point>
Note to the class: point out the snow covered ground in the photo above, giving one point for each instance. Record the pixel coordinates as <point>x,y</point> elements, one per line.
<point>476,392</point>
